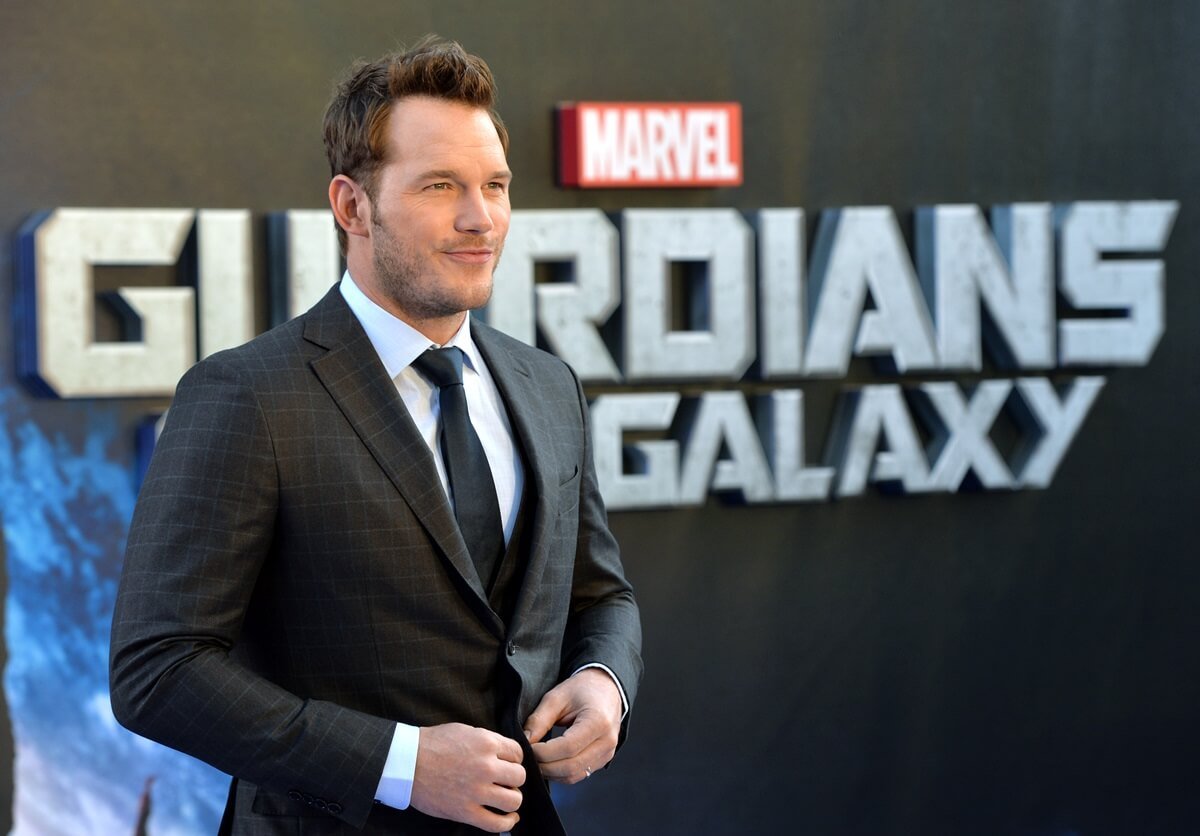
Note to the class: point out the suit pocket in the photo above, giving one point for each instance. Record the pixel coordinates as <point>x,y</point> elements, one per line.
<point>568,492</point>
<point>564,480</point>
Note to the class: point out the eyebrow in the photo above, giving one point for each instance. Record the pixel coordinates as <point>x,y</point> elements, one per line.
<point>447,174</point>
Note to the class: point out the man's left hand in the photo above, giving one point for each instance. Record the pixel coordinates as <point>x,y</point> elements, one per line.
<point>589,705</point>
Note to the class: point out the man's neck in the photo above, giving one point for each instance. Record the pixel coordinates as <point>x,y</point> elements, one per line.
<point>438,329</point>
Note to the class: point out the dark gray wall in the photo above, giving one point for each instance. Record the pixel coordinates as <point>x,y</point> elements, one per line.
<point>1008,663</point>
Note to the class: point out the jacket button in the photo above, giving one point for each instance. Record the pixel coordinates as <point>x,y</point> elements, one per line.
<point>512,649</point>
<point>334,808</point>
<point>295,795</point>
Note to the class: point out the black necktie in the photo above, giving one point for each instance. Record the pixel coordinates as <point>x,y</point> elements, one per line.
<point>471,484</point>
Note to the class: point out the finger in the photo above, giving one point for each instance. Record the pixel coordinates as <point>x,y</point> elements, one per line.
<point>547,714</point>
<point>509,750</point>
<point>501,799</point>
<point>559,749</point>
<point>491,822</point>
<point>576,769</point>
<point>578,736</point>
<point>573,744</point>
<point>509,775</point>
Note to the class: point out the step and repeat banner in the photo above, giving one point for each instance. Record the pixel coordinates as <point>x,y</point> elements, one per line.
<point>887,316</point>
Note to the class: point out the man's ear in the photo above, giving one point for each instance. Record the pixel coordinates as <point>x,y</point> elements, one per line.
<point>350,204</point>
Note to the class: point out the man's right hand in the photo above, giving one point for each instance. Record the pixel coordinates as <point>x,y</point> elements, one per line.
<point>462,771</point>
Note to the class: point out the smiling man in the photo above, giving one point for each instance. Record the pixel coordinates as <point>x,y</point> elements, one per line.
<point>370,570</point>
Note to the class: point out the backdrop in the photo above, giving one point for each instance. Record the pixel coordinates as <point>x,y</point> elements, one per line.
<point>984,661</point>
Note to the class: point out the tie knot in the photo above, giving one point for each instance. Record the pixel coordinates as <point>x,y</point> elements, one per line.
<point>443,366</point>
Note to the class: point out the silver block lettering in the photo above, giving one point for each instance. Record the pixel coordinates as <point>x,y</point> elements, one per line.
<point>1051,423</point>
<point>783,414</point>
<point>860,250</point>
<point>962,265</point>
<point>66,247</point>
<point>722,418</point>
<point>961,442</point>
<point>879,415</point>
<point>569,313</point>
<point>654,480</point>
<point>225,283</point>
<point>655,238</point>
<point>1091,282</point>
<point>310,264</point>
<point>782,311</point>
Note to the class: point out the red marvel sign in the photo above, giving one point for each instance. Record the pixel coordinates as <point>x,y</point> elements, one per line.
<point>622,144</point>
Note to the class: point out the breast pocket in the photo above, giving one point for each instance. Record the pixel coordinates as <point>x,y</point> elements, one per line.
<point>566,477</point>
<point>568,491</point>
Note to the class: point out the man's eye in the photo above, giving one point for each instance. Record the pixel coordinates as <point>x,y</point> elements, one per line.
<point>439,186</point>
<point>496,187</point>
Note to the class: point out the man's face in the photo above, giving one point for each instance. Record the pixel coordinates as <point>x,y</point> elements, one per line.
<point>441,210</point>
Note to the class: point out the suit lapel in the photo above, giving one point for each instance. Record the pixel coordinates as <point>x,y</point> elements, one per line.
<point>355,378</point>
<point>522,398</point>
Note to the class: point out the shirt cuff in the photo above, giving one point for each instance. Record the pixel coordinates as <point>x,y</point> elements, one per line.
<point>395,785</point>
<point>617,682</point>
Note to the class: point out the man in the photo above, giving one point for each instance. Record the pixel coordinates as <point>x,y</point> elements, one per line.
<point>319,597</point>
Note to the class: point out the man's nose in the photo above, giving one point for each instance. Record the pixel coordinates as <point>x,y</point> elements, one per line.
<point>474,213</point>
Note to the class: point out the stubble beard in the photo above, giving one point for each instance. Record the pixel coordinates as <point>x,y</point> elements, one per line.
<point>399,271</point>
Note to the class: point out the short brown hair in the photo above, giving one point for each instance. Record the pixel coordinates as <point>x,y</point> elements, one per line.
<point>356,118</point>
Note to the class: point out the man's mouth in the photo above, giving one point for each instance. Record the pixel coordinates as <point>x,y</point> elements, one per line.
<point>471,255</point>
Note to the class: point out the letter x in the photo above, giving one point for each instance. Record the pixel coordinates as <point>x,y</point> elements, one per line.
<point>965,444</point>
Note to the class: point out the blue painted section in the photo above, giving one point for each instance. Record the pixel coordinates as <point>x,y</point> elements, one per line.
<point>66,503</point>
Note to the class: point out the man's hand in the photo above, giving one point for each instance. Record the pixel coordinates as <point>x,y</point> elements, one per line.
<point>589,705</point>
<point>463,771</point>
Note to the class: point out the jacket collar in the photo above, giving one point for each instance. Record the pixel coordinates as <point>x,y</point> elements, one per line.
<point>352,373</point>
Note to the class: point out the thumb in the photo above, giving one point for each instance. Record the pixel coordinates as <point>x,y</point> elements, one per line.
<point>543,718</point>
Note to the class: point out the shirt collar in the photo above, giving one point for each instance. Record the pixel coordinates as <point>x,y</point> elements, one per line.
<point>396,342</point>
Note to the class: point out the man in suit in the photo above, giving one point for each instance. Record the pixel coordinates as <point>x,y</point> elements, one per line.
<point>319,597</point>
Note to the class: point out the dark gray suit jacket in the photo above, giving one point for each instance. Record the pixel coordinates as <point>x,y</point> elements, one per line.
<point>295,581</point>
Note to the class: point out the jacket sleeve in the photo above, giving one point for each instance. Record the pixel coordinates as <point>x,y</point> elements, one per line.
<point>201,531</point>
<point>604,624</point>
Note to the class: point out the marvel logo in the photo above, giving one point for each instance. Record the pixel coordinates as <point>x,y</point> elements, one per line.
<point>623,144</point>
